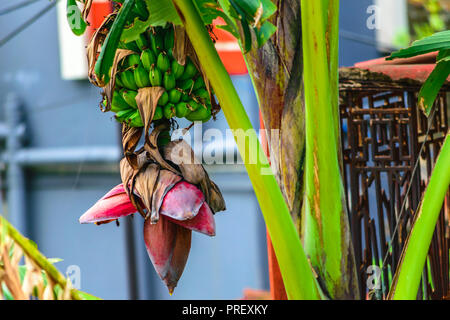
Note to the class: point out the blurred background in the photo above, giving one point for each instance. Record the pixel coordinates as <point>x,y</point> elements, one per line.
<point>59,154</point>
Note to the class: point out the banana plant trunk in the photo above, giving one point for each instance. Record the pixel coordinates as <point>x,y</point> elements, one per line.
<point>277,71</point>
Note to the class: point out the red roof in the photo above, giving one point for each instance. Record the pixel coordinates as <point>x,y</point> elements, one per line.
<point>415,68</point>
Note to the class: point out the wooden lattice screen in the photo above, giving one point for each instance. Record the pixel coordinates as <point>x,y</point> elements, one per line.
<point>383,132</point>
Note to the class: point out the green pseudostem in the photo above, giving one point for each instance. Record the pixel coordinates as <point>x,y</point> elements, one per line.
<point>295,269</point>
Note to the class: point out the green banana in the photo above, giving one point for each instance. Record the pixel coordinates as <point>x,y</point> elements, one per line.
<point>163,99</point>
<point>189,70</point>
<point>181,109</point>
<point>185,97</point>
<point>141,77</point>
<point>155,76</point>
<point>177,69</point>
<point>135,119</point>
<point>158,113</point>
<point>174,96</point>
<point>202,114</point>
<point>194,105</point>
<point>142,42</point>
<point>118,103</point>
<point>123,115</point>
<point>156,40</point>
<point>118,81</point>
<point>168,80</point>
<point>130,97</point>
<point>132,60</point>
<point>163,62</point>
<point>169,111</point>
<point>130,46</point>
<point>169,38</point>
<point>148,58</point>
<point>185,85</point>
<point>198,83</point>
<point>127,78</point>
<point>203,94</point>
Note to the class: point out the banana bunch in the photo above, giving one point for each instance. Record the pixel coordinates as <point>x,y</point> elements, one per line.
<point>153,65</point>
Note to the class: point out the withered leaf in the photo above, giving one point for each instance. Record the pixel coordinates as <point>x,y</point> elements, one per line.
<point>215,200</point>
<point>11,276</point>
<point>130,140</point>
<point>147,100</point>
<point>145,184</point>
<point>94,47</point>
<point>179,50</point>
<point>181,154</point>
<point>86,9</point>
<point>109,89</point>
<point>126,172</point>
<point>151,146</point>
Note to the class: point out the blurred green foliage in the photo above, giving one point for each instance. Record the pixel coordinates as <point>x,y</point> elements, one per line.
<point>426,18</point>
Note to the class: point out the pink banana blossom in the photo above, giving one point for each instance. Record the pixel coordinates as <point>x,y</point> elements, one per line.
<point>168,241</point>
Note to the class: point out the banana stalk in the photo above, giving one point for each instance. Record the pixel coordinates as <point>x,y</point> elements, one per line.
<point>325,227</point>
<point>297,274</point>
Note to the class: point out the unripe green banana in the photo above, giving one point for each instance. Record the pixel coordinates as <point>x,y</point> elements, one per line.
<point>118,103</point>
<point>158,113</point>
<point>169,81</point>
<point>181,109</point>
<point>119,83</point>
<point>194,105</point>
<point>141,77</point>
<point>198,83</point>
<point>155,76</point>
<point>130,97</point>
<point>169,111</point>
<point>185,97</point>
<point>142,42</point>
<point>127,78</point>
<point>132,61</point>
<point>185,85</point>
<point>189,70</point>
<point>202,94</point>
<point>148,58</point>
<point>170,54</point>
<point>201,114</point>
<point>163,63</point>
<point>163,99</point>
<point>174,96</point>
<point>131,46</point>
<point>156,40</point>
<point>136,120</point>
<point>177,69</point>
<point>169,38</point>
<point>123,115</point>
